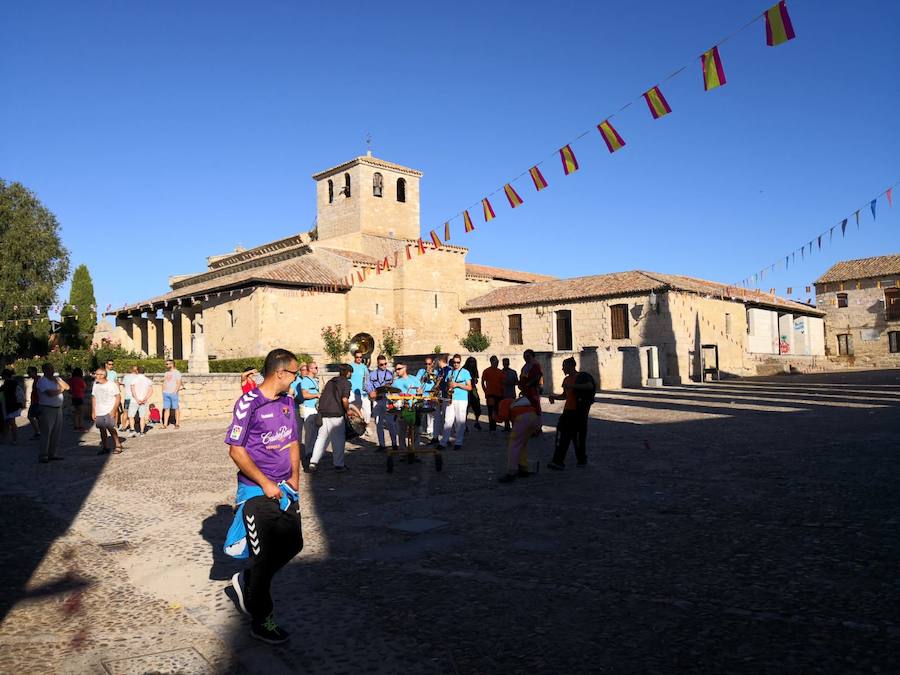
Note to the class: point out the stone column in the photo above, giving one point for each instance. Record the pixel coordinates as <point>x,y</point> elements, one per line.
<point>168,334</point>
<point>199,361</point>
<point>127,325</point>
<point>183,331</point>
<point>139,334</point>
<point>152,335</point>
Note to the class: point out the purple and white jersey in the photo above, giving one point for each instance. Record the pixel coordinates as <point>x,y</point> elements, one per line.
<point>266,428</point>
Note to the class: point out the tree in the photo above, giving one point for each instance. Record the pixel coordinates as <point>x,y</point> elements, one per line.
<point>476,341</point>
<point>34,264</point>
<point>391,343</point>
<point>80,313</point>
<point>336,343</point>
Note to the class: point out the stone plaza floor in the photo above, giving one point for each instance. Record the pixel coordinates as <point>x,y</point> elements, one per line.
<point>744,526</point>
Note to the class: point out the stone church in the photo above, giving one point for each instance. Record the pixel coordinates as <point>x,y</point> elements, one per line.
<point>281,294</point>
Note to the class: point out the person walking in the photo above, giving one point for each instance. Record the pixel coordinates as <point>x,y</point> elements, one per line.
<point>333,405</point>
<point>578,391</point>
<point>458,387</point>
<point>77,388</point>
<point>12,400</point>
<point>104,405</point>
<point>525,421</point>
<point>378,378</point>
<point>173,383</point>
<point>492,382</point>
<point>141,391</point>
<point>308,394</point>
<point>31,395</point>
<point>50,390</point>
<point>358,386</point>
<point>474,397</point>
<point>266,528</point>
<point>510,382</point>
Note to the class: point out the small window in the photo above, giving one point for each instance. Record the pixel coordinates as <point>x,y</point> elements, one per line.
<point>435,301</point>
<point>564,330</point>
<point>619,322</point>
<point>231,318</point>
<point>842,299</point>
<point>377,308</point>
<point>727,324</point>
<point>401,189</point>
<point>515,329</point>
<point>892,304</point>
<point>845,344</point>
<point>330,191</point>
<point>377,184</point>
<point>894,341</point>
<point>347,185</point>
<point>474,325</point>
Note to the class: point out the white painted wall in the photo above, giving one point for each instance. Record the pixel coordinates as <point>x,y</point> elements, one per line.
<point>763,336</point>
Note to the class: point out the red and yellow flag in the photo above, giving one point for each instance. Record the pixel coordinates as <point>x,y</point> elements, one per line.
<point>378,267</point>
<point>447,231</point>
<point>436,240</point>
<point>488,210</point>
<point>359,276</point>
<point>421,246</point>
<point>713,73</point>
<point>468,221</point>
<point>779,28</point>
<point>570,164</point>
<point>657,103</point>
<point>611,136</point>
<point>539,182</point>
<point>890,197</point>
<point>386,264</point>
<point>513,196</point>
<point>408,252</point>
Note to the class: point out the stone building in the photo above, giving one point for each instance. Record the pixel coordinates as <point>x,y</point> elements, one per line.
<point>281,293</point>
<point>861,301</point>
<point>634,328</point>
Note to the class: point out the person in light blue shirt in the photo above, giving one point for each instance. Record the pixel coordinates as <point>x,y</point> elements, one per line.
<point>308,389</point>
<point>358,385</point>
<point>428,376</point>
<point>381,377</point>
<point>459,384</point>
<point>407,384</point>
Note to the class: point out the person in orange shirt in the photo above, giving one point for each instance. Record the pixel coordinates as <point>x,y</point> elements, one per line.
<point>492,382</point>
<point>578,392</point>
<point>525,420</point>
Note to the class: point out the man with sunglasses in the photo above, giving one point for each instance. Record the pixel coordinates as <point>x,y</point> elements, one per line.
<point>459,384</point>
<point>360,371</point>
<point>428,376</point>
<point>381,377</point>
<point>407,384</point>
<point>264,446</point>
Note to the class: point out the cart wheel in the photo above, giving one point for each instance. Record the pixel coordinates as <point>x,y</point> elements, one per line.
<point>390,464</point>
<point>438,462</point>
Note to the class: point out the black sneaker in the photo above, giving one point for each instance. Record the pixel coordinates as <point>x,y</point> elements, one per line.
<point>237,583</point>
<point>523,472</point>
<point>380,448</point>
<point>555,466</point>
<point>507,478</point>
<point>268,631</point>
<point>341,469</point>
<point>312,468</point>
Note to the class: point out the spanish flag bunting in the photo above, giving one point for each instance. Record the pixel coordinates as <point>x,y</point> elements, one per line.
<point>386,264</point>
<point>713,73</point>
<point>778,25</point>
<point>820,242</point>
<point>421,246</point>
<point>488,210</point>
<point>359,276</point>
<point>844,227</point>
<point>408,252</point>
<point>515,200</point>
<point>569,163</point>
<point>539,182</point>
<point>790,290</point>
<point>890,197</point>
<point>857,219</point>
<point>436,240</point>
<point>378,267</point>
<point>467,220</point>
<point>611,136</point>
<point>872,206</point>
<point>657,103</point>
<point>447,231</point>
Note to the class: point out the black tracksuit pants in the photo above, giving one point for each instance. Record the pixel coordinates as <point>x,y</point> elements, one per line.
<point>571,428</point>
<point>273,537</point>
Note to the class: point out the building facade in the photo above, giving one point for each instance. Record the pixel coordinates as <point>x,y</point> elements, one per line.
<point>861,301</point>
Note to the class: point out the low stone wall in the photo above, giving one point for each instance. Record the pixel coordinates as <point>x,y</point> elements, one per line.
<point>204,396</point>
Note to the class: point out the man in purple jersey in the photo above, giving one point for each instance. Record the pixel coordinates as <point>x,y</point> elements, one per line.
<point>265,448</point>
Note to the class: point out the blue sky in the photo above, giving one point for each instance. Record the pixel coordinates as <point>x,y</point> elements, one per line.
<point>162,132</point>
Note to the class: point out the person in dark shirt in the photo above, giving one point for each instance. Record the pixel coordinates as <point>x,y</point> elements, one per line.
<point>334,403</point>
<point>578,393</point>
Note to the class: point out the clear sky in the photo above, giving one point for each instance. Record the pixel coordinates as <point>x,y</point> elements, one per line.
<point>163,132</point>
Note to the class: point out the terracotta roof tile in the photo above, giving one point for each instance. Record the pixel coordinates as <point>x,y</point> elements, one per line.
<point>862,268</point>
<point>488,272</point>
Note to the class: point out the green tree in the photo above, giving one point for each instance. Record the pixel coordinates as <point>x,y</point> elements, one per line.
<point>80,313</point>
<point>476,341</point>
<point>391,343</point>
<point>34,264</point>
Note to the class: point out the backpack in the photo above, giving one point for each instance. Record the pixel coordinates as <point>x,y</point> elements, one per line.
<point>20,394</point>
<point>586,398</point>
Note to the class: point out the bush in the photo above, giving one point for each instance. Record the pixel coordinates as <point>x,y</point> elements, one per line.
<point>476,341</point>
<point>391,343</point>
<point>336,344</point>
<point>63,361</point>
<point>246,363</point>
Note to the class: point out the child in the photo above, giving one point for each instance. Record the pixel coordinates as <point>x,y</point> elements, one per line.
<point>76,391</point>
<point>154,414</point>
<point>526,421</point>
<point>13,400</point>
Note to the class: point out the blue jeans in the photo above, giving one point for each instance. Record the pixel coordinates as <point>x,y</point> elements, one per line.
<point>170,401</point>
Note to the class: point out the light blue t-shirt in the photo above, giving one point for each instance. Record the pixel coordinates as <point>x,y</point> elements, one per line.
<point>312,386</point>
<point>408,385</point>
<point>427,384</point>
<point>460,376</point>
<point>358,376</point>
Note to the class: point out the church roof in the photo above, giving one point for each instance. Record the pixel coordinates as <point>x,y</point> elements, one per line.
<point>619,284</point>
<point>369,161</point>
<point>862,268</point>
<point>487,272</point>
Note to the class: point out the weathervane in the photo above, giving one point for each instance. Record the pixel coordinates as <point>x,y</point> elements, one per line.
<point>369,144</point>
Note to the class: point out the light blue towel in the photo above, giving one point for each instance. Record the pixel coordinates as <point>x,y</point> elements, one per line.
<point>236,539</point>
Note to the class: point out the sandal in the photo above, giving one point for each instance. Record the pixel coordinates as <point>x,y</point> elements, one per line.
<point>117,451</point>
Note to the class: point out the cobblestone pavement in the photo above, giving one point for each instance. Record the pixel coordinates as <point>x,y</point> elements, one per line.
<point>744,526</point>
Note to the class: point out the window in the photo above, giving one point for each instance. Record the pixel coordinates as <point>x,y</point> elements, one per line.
<point>231,318</point>
<point>564,330</point>
<point>619,322</point>
<point>377,308</point>
<point>845,344</point>
<point>842,299</point>
<point>894,341</point>
<point>330,191</point>
<point>474,325</point>
<point>401,189</point>
<point>347,185</point>
<point>892,304</point>
<point>435,301</point>
<point>515,329</point>
<point>727,324</point>
<point>377,184</point>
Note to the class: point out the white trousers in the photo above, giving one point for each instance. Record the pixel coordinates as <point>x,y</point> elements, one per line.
<point>455,421</point>
<point>310,428</point>
<point>362,401</point>
<point>331,431</point>
<point>384,420</point>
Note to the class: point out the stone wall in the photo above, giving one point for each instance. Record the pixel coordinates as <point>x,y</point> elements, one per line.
<point>863,319</point>
<point>204,396</point>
